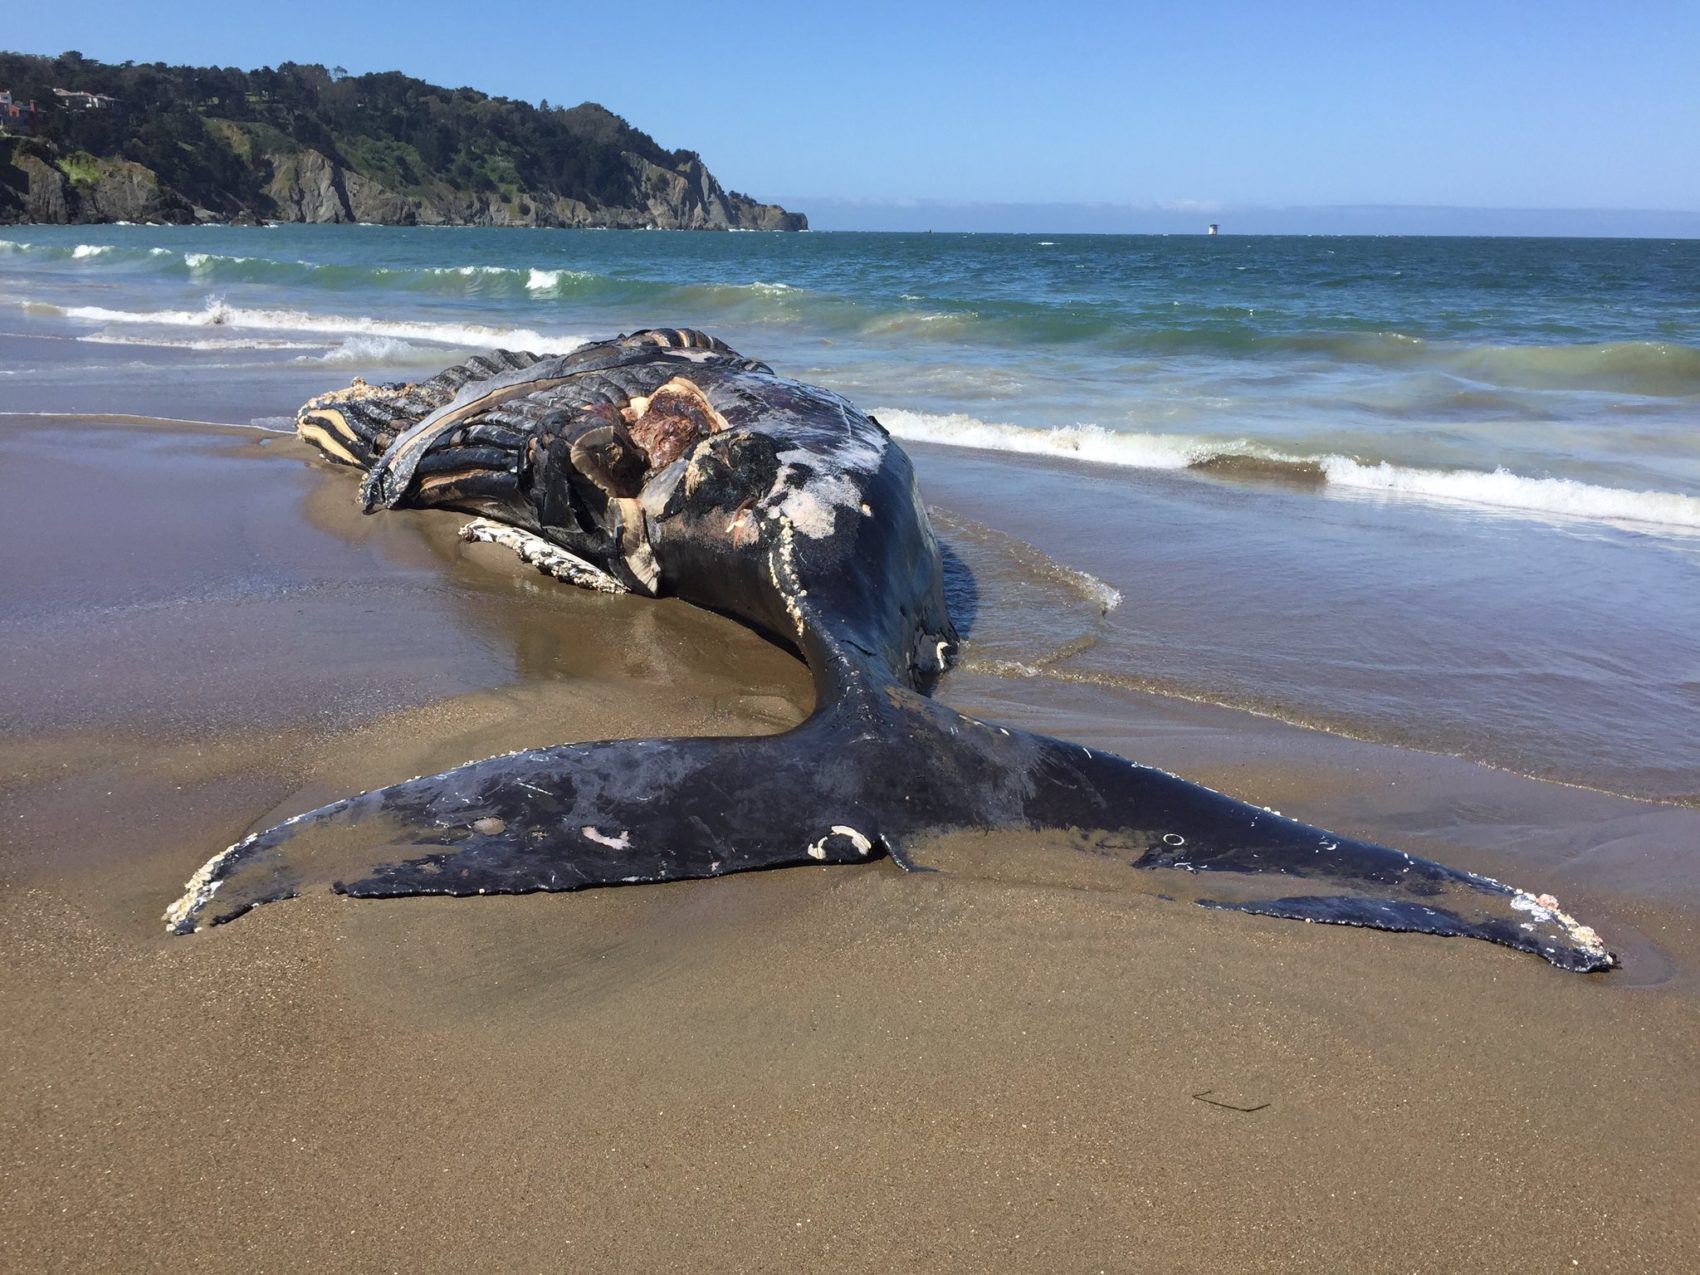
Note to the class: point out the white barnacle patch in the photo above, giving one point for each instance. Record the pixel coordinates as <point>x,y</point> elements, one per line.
<point>861,844</point>
<point>782,570</point>
<point>1545,909</point>
<point>199,889</point>
<point>621,842</point>
<point>1541,908</point>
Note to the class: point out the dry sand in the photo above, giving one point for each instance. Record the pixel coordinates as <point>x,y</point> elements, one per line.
<point>1006,1065</point>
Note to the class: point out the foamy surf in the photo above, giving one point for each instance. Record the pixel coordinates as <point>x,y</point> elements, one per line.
<point>381,350</point>
<point>1499,489</point>
<point>217,313</point>
<point>1502,489</point>
<point>544,282</point>
<point>235,268</point>
<point>197,343</point>
<point>200,261</point>
<point>1069,442</point>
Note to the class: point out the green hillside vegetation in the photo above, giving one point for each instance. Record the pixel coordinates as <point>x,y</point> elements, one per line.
<point>217,139</point>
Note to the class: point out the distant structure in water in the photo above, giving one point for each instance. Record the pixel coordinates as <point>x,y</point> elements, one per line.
<point>1214,228</point>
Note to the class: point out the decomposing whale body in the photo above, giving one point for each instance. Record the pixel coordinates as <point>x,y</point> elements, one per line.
<point>664,462</point>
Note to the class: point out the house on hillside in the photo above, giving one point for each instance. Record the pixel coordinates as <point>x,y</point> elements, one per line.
<point>18,117</point>
<point>80,101</point>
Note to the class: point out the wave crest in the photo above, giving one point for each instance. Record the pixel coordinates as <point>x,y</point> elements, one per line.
<point>1499,489</point>
<point>382,350</point>
<point>1503,489</point>
<point>218,313</point>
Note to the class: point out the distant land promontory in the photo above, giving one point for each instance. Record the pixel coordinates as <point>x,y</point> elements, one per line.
<point>83,141</point>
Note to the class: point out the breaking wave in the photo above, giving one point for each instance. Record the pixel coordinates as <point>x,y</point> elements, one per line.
<point>1152,327</point>
<point>490,281</point>
<point>368,350</point>
<point>217,313</point>
<point>1503,489</point>
<point>1497,489</point>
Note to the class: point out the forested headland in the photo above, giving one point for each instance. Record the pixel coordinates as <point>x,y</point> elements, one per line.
<point>150,142</point>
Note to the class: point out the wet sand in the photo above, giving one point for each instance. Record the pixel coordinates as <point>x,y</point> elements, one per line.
<point>1010,1064</point>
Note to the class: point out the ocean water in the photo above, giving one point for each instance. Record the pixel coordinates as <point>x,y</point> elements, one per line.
<point>1443,493</point>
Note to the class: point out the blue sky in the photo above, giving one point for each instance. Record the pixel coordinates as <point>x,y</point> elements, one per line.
<point>1145,113</point>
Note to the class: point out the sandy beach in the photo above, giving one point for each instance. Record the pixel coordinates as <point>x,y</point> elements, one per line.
<point>1007,1064</point>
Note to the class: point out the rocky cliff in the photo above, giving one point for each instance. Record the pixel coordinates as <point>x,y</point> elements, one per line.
<point>38,189</point>
<point>306,185</point>
<point>37,184</point>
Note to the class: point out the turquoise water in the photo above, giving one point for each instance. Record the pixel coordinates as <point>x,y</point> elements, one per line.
<point>1441,492</point>
<point>1388,361</point>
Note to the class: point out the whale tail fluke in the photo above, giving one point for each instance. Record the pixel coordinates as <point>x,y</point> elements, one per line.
<point>848,786</point>
<point>563,818</point>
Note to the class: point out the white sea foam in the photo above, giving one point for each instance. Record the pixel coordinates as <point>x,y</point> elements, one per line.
<point>202,260</point>
<point>84,250</point>
<point>1071,442</point>
<point>375,349</point>
<point>217,313</point>
<point>551,280</point>
<point>1501,489</point>
<point>198,343</point>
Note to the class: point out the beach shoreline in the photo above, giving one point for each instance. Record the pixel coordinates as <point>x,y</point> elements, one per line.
<point>1003,1064</point>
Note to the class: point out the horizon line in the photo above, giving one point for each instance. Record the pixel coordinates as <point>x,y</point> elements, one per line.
<point>839,212</point>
